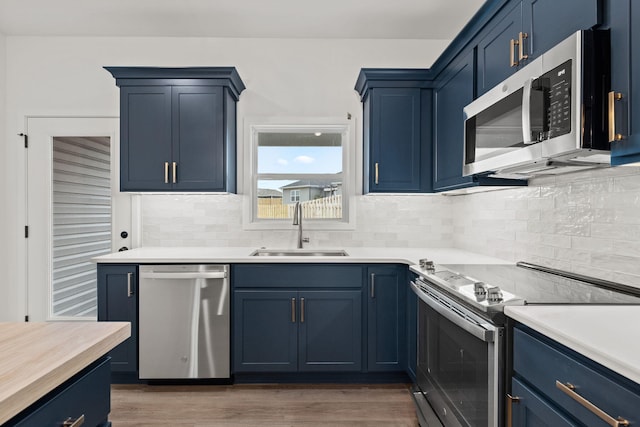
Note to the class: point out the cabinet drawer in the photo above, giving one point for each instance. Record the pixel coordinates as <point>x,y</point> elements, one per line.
<point>532,410</point>
<point>541,364</point>
<point>88,393</point>
<point>297,275</point>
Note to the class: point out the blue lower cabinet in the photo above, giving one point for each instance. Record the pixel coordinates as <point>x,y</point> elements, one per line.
<point>118,301</point>
<point>531,410</point>
<point>330,331</point>
<point>412,331</point>
<point>265,331</point>
<point>551,383</point>
<point>386,318</point>
<point>86,396</point>
<point>297,331</point>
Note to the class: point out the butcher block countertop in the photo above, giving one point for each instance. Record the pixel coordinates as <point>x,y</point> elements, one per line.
<point>35,358</point>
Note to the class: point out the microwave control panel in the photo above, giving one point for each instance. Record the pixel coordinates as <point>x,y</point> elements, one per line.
<point>551,103</point>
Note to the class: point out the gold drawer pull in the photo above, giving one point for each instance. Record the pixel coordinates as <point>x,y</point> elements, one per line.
<point>293,310</point>
<point>377,175</point>
<point>569,389</point>
<point>74,423</point>
<point>166,172</point>
<point>613,135</point>
<point>510,401</point>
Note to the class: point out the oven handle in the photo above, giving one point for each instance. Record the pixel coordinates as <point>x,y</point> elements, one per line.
<point>479,332</point>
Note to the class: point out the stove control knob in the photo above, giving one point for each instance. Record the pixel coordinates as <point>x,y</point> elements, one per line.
<point>480,289</point>
<point>425,264</point>
<point>494,294</point>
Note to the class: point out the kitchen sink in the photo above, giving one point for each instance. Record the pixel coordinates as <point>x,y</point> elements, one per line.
<point>298,252</point>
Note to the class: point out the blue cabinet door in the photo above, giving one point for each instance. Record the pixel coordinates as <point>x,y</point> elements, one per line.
<point>87,394</point>
<point>330,331</point>
<point>265,331</point>
<point>118,301</point>
<point>454,91</point>
<point>145,138</point>
<point>412,332</point>
<point>494,55</point>
<point>539,24</point>
<point>386,318</point>
<point>548,22</point>
<point>624,16</point>
<point>531,410</point>
<point>197,133</point>
<point>394,140</point>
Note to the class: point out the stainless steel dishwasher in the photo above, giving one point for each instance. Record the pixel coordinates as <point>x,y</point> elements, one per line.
<point>183,320</point>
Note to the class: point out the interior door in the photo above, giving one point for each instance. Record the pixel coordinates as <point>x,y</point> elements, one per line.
<point>72,186</point>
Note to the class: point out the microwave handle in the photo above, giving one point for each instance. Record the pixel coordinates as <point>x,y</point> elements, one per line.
<point>526,112</point>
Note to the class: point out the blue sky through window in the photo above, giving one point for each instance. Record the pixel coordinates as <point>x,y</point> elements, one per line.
<point>326,160</point>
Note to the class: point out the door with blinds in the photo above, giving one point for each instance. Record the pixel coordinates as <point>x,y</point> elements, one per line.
<point>75,212</point>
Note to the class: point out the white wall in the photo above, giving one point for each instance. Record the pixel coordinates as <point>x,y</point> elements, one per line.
<point>64,77</point>
<point>585,222</point>
<point>4,302</point>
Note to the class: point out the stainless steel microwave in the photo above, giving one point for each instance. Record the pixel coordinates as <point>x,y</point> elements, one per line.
<point>549,117</point>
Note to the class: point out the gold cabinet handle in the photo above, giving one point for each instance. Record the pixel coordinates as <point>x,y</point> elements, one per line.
<point>129,287</point>
<point>175,172</point>
<point>373,285</point>
<point>293,310</point>
<point>74,423</point>
<point>613,97</point>
<point>512,53</point>
<point>166,172</point>
<point>569,389</point>
<point>510,401</point>
<point>377,174</point>
<point>301,310</point>
<point>521,54</point>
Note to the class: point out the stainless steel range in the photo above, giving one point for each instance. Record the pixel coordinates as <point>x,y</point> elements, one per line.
<point>461,331</point>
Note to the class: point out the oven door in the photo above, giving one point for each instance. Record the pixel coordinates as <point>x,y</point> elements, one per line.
<point>459,362</point>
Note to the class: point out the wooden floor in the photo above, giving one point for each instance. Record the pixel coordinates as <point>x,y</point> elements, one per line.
<point>262,405</point>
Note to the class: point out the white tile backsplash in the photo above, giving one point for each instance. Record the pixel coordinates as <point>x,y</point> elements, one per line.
<point>586,222</point>
<point>381,221</point>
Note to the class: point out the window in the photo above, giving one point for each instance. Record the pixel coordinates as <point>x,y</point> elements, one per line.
<point>305,164</point>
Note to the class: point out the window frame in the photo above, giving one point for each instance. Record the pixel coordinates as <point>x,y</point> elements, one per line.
<point>253,127</point>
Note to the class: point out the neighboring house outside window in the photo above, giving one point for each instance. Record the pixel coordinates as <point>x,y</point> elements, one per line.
<point>305,164</point>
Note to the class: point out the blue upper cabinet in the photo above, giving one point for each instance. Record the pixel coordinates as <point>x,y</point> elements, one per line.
<point>525,29</point>
<point>498,56</point>
<point>397,130</point>
<point>177,128</point>
<point>455,89</point>
<point>624,16</point>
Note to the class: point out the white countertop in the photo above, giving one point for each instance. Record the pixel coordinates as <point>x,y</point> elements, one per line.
<point>608,335</point>
<point>220,255</point>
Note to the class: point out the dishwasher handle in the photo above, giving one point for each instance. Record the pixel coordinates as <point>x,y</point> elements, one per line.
<point>184,275</point>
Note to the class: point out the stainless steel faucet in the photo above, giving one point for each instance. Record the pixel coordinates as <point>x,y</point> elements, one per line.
<point>297,220</point>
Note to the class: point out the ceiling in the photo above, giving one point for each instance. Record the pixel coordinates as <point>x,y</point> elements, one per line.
<point>335,19</point>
